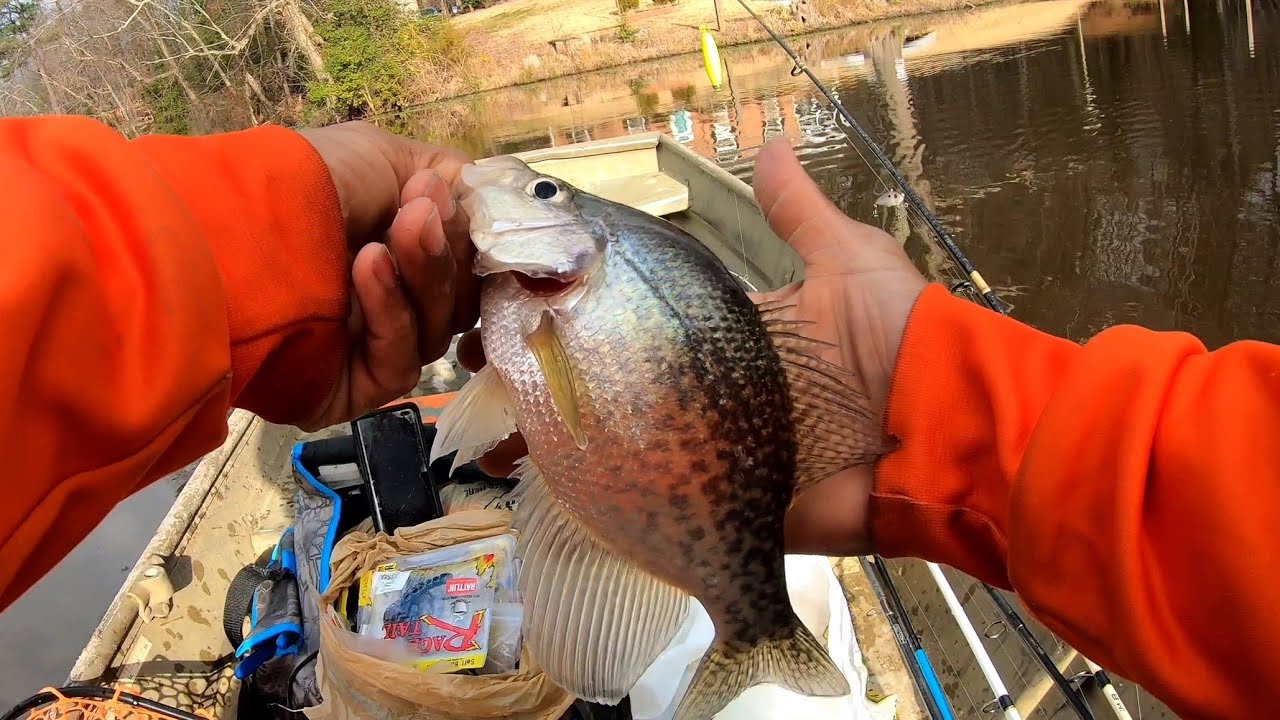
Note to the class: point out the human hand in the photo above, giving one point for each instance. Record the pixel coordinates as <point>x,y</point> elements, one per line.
<point>859,287</point>
<point>858,290</point>
<point>411,279</point>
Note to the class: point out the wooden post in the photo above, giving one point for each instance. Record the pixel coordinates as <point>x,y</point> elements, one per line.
<point>718,27</point>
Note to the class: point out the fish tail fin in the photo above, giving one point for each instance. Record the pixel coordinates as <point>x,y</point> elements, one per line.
<point>834,424</point>
<point>797,662</point>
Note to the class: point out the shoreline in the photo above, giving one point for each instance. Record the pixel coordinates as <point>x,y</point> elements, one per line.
<point>611,54</point>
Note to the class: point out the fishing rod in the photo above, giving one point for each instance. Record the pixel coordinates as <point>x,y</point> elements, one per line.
<point>1103,680</point>
<point>975,644</point>
<point>994,302</point>
<point>895,611</point>
<point>1012,617</point>
<point>912,198</point>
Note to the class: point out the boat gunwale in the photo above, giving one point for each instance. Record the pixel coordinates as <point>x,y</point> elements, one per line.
<point>122,614</point>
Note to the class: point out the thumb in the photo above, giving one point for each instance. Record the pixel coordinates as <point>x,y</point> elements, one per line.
<point>794,206</point>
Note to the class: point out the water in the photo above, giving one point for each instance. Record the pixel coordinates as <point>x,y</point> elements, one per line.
<point>42,633</point>
<point>1101,162</point>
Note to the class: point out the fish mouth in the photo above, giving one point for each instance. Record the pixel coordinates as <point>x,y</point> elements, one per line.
<point>543,285</point>
<point>547,246</point>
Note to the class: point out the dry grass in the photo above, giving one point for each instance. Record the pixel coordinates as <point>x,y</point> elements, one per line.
<point>510,43</point>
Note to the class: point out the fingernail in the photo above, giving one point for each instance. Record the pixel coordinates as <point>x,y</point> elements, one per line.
<point>435,246</point>
<point>385,269</point>
<point>437,187</point>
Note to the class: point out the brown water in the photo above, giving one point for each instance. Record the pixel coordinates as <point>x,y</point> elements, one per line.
<point>1100,162</point>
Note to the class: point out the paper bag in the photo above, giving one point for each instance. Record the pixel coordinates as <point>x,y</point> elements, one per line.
<point>355,686</point>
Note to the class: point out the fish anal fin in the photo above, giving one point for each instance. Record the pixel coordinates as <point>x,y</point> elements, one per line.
<point>835,428</point>
<point>476,420</point>
<point>592,619</point>
<point>796,661</point>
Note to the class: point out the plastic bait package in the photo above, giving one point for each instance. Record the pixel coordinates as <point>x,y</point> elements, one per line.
<point>443,612</point>
<point>505,569</point>
<point>441,604</point>
<point>504,638</point>
<point>479,495</point>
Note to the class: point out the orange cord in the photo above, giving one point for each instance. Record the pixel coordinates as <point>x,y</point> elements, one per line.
<point>65,708</point>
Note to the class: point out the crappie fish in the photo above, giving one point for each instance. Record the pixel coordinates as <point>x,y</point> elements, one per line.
<point>669,422</point>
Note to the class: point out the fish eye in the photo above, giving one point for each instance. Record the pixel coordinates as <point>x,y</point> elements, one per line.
<point>544,189</point>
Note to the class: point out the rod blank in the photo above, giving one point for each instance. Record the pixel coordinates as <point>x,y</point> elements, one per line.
<point>975,644</point>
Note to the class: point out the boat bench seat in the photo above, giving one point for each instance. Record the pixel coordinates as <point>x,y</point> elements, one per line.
<point>655,193</point>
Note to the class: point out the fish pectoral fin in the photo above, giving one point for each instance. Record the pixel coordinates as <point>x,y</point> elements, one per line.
<point>476,421</point>
<point>797,662</point>
<point>834,424</point>
<point>592,619</point>
<point>548,350</point>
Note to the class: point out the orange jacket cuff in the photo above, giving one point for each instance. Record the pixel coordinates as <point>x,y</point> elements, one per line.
<point>266,200</point>
<point>962,408</point>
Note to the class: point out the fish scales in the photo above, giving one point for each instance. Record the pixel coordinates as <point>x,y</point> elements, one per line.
<point>664,441</point>
<point>686,409</point>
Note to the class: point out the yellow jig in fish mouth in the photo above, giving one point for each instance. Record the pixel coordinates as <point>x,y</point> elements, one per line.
<point>552,359</point>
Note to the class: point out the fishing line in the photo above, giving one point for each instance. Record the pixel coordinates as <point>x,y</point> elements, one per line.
<point>988,295</point>
<point>975,644</point>
<point>926,216</point>
<point>1020,627</point>
<point>1103,680</point>
<point>908,640</point>
<point>974,706</point>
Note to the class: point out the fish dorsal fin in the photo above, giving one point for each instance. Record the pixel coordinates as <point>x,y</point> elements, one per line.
<point>476,421</point>
<point>592,619</point>
<point>835,427</point>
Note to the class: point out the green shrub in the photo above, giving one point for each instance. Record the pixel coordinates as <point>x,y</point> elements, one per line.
<point>627,33</point>
<point>371,50</point>
<point>665,2</point>
<point>170,109</point>
<point>627,5</point>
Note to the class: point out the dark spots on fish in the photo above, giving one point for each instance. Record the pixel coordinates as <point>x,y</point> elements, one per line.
<point>689,553</point>
<point>653,519</point>
<point>716,474</point>
<point>690,445</point>
<point>736,517</point>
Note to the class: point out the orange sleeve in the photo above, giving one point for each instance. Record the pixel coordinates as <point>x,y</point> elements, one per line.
<point>1128,490</point>
<point>145,288</point>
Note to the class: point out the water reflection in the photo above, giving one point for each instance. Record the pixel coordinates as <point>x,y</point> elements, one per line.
<point>1088,155</point>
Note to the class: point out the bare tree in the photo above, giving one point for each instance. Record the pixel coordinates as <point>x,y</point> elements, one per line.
<point>176,65</point>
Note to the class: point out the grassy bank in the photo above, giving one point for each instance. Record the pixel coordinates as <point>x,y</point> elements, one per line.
<point>201,68</point>
<point>522,41</point>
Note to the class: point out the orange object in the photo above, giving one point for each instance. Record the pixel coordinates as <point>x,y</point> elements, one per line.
<point>1127,489</point>
<point>120,704</point>
<point>146,287</point>
<point>429,405</point>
